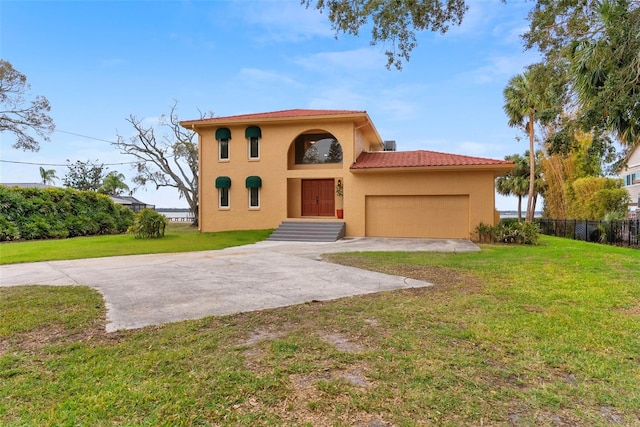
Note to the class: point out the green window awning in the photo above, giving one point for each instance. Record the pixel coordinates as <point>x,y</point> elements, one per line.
<point>253,132</point>
<point>223,133</point>
<point>253,182</point>
<point>223,182</point>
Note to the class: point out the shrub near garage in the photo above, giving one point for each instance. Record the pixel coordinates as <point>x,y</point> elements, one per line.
<point>509,231</point>
<point>53,213</point>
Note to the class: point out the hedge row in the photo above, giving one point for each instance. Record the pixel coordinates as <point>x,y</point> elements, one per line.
<point>55,213</point>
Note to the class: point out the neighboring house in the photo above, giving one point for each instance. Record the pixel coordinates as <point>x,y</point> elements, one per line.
<point>131,202</point>
<point>630,175</point>
<point>27,185</point>
<point>258,170</point>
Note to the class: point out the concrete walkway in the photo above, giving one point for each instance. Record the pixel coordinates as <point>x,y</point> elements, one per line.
<point>142,290</point>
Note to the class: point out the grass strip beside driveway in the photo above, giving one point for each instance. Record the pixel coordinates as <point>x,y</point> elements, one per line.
<point>542,335</point>
<point>179,237</point>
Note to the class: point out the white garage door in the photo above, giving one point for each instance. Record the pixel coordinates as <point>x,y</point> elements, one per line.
<point>417,216</point>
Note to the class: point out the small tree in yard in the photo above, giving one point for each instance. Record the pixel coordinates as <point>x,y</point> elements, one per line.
<point>148,224</point>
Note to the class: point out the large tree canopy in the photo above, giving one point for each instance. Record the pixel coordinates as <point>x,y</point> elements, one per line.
<point>393,21</point>
<point>20,115</point>
<point>84,175</point>
<point>598,41</point>
<point>166,160</point>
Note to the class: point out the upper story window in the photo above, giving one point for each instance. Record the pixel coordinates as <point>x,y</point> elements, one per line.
<point>223,149</point>
<point>630,179</point>
<point>317,148</point>
<point>223,135</point>
<point>253,135</point>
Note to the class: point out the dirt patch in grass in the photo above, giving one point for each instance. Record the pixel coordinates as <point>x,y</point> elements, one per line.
<point>437,275</point>
<point>311,393</point>
<point>633,311</point>
<point>442,277</point>
<point>341,342</point>
<point>54,334</point>
<point>261,334</point>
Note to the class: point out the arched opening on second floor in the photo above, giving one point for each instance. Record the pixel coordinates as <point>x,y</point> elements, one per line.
<point>315,148</point>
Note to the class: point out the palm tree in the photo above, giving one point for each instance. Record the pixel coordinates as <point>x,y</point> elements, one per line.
<point>48,176</point>
<point>516,182</point>
<point>113,184</point>
<point>605,69</point>
<point>535,96</point>
<point>520,106</point>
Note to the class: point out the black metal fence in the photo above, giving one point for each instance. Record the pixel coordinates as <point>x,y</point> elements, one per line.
<point>619,233</point>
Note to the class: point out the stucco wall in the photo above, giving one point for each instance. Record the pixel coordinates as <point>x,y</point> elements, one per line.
<point>478,185</point>
<point>280,192</point>
<point>280,195</point>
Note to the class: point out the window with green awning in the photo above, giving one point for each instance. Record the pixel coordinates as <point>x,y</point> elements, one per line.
<point>253,132</point>
<point>223,133</point>
<point>223,182</point>
<point>253,182</point>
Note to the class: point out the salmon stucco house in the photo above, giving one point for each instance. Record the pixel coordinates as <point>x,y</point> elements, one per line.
<point>260,171</point>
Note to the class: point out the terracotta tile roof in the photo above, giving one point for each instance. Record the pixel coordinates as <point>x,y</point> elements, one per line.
<point>419,158</point>
<point>296,113</point>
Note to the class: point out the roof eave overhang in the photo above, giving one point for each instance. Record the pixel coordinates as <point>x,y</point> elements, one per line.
<point>361,120</point>
<point>207,123</point>
<point>498,170</point>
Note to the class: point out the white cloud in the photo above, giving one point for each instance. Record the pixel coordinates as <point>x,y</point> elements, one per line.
<point>501,67</point>
<point>477,17</point>
<point>509,33</point>
<point>472,148</point>
<point>255,75</point>
<point>397,108</point>
<point>340,97</point>
<point>350,60</point>
<point>285,21</point>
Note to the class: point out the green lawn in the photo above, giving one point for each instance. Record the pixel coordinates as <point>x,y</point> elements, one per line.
<point>179,237</point>
<point>544,335</point>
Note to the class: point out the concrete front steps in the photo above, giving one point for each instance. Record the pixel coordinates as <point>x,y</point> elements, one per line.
<point>303,231</point>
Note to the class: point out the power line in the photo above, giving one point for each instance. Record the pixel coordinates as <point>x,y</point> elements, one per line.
<point>83,136</point>
<point>66,164</point>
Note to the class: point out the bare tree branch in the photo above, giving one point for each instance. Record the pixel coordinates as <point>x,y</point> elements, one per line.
<point>168,160</point>
<point>20,116</point>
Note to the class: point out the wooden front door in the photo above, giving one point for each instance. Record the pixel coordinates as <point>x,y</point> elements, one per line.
<point>318,197</point>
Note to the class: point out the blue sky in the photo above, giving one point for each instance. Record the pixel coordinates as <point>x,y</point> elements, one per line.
<point>98,62</point>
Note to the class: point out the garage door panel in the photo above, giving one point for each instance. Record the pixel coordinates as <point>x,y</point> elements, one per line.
<point>417,216</point>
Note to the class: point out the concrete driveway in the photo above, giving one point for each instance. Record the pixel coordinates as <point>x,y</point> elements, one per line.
<point>142,290</point>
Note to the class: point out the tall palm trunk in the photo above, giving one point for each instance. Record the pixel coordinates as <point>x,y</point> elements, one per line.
<point>531,202</point>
